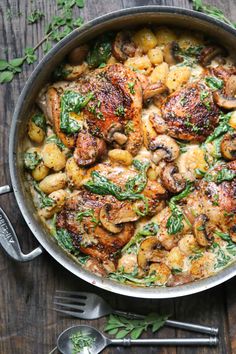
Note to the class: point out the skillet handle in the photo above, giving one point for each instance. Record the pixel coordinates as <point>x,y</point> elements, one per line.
<point>9,240</point>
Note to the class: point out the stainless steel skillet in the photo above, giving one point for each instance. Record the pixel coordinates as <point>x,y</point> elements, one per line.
<point>171,16</point>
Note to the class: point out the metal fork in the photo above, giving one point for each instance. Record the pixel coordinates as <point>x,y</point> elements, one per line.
<point>90,306</point>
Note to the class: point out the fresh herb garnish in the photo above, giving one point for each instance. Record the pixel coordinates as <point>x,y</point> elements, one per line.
<point>129,127</point>
<point>222,128</point>
<point>189,55</point>
<point>175,221</point>
<point>39,120</point>
<point>121,326</point>
<point>231,246</point>
<point>72,102</point>
<point>54,139</point>
<point>120,111</point>
<point>150,229</point>
<point>131,87</point>
<point>211,10</point>
<point>221,258</point>
<point>64,239</point>
<point>100,52</point>
<point>204,95</point>
<point>219,176</point>
<point>44,200</point>
<point>35,16</point>
<point>103,186</point>
<point>123,277</point>
<point>214,83</point>
<point>31,160</point>
<point>60,25</point>
<point>87,213</point>
<point>80,341</point>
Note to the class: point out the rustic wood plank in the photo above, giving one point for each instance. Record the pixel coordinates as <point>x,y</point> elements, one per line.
<point>27,323</point>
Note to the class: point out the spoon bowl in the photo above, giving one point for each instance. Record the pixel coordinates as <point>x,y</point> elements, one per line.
<point>99,341</point>
<point>65,345</point>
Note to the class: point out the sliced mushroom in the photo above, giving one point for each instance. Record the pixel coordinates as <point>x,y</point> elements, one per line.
<point>106,223</point>
<point>154,89</point>
<point>172,179</point>
<point>158,123</point>
<point>124,212</point>
<point>207,54</point>
<point>228,146</point>
<point>150,251</point>
<point>116,134</point>
<point>230,86</point>
<point>89,149</point>
<point>78,55</point>
<point>165,148</point>
<point>201,230</point>
<point>224,101</point>
<point>170,53</point>
<point>123,46</point>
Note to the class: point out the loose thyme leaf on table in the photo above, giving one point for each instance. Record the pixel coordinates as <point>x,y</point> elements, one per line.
<point>122,326</point>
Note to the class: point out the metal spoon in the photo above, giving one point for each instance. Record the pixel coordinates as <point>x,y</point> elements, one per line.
<point>65,346</point>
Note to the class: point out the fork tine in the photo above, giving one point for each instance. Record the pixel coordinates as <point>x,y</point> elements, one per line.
<point>71,306</point>
<point>83,295</point>
<point>75,299</point>
<point>71,313</point>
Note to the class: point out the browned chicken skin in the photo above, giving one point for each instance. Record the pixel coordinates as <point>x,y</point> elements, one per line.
<point>111,108</point>
<point>87,233</point>
<point>190,113</point>
<point>217,201</point>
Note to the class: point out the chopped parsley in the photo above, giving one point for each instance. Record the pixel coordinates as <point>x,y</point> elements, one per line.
<point>120,111</point>
<point>80,341</point>
<point>129,127</point>
<point>87,213</point>
<point>131,87</point>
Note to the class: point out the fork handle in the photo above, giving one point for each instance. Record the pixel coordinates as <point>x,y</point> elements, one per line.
<point>176,324</point>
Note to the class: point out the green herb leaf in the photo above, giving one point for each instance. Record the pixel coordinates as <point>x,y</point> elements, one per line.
<point>175,221</point>
<point>100,52</point>
<point>16,62</point>
<point>64,239</point>
<point>35,16</point>
<point>150,229</point>
<point>214,83</point>
<point>122,326</point>
<point>80,3</point>
<point>133,187</point>
<point>39,120</point>
<point>54,139</point>
<point>211,10</point>
<point>3,64</point>
<point>222,128</point>
<point>44,200</point>
<point>72,102</point>
<point>219,176</point>
<point>80,341</point>
<point>30,56</point>
<point>87,213</point>
<point>31,160</point>
<point>6,76</point>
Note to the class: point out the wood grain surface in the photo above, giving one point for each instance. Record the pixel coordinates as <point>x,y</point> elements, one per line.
<point>28,325</point>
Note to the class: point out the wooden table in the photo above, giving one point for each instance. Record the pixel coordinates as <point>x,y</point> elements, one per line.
<point>27,323</point>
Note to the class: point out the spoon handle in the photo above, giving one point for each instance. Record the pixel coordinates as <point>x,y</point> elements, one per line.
<point>211,341</point>
<point>53,351</point>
